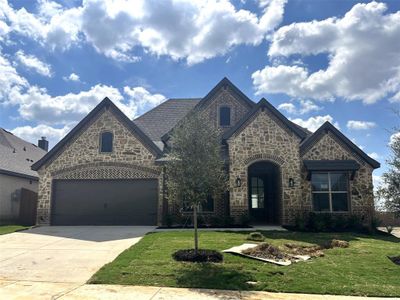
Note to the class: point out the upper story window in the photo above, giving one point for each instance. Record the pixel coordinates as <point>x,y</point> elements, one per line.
<point>330,191</point>
<point>106,142</point>
<point>224,116</point>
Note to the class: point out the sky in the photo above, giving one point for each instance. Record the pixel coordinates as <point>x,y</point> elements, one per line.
<point>315,60</point>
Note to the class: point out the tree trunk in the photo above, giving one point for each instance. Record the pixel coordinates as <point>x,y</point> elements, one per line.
<point>196,238</point>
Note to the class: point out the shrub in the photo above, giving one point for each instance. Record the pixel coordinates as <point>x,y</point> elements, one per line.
<point>203,255</point>
<point>256,236</point>
<point>375,222</point>
<point>301,221</point>
<point>316,222</point>
<point>340,223</point>
<point>228,221</point>
<point>244,219</point>
<point>216,221</point>
<point>169,220</point>
<point>355,223</point>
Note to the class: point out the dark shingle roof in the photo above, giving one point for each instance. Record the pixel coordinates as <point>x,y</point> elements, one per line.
<point>17,155</point>
<point>161,119</point>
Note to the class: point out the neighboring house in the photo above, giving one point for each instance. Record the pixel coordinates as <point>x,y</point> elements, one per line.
<point>16,158</point>
<point>110,170</point>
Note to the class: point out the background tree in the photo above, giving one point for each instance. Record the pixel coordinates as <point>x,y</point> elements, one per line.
<point>195,168</point>
<point>390,187</point>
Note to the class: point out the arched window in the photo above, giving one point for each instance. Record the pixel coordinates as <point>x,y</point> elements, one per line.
<point>224,116</point>
<point>106,141</point>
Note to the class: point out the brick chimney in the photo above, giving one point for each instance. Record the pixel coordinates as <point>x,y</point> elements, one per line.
<point>43,143</point>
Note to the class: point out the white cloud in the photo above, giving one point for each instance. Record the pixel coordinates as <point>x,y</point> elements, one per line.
<point>313,123</point>
<point>358,69</point>
<point>54,26</point>
<point>180,29</point>
<point>33,134</point>
<point>306,106</point>
<point>34,103</point>
<point>32,62</point>
<point>9,79</point>
<point>142,100</point>
<point>360,125</point>
<point>374,155</point>
<point>72,77</point>
<point>288,107</point>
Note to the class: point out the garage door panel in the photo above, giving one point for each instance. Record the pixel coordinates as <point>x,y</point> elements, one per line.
<point>104,202</point>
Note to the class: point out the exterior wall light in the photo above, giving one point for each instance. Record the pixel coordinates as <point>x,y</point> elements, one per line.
<point>291,182</point>
<point>238,182</point>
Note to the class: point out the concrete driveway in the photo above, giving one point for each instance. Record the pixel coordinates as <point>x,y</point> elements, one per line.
<point>63,254</point>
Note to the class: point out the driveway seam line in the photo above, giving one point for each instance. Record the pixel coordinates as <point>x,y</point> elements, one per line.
<point>152,297</point>
<point>67,292</point>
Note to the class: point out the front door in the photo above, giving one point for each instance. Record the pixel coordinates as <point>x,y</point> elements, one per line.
<point>263,193</point>
<point>257,198</point>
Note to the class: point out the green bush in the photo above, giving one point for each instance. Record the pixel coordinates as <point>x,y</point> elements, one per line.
<point>228,221</point>
<point>301,222</point>
<point>168,220</point>
<point>244,219</point>
<point>355,223</point>
<point>256,236</point>
<point>339,223</point>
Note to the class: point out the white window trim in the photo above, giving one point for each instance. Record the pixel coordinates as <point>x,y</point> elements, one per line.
<point>330,192</point>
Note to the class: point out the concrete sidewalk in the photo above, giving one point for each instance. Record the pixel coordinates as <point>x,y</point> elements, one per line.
<point>16,290</point>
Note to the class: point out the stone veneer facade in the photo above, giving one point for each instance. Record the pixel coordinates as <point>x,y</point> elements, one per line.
<point>361,196</point>
<point>264,138</point>
<point>261,138</point>
<point>81,159</point>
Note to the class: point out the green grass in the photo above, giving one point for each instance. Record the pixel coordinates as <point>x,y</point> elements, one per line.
<point>361,269</point>
<point>4,229</point>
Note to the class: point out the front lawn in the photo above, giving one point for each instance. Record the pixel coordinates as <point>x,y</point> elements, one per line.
<point>361,269</point>
<point>4,229</point>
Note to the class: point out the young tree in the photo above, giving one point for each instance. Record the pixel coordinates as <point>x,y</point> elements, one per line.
<point>390,189</point>
<point>195,168</point>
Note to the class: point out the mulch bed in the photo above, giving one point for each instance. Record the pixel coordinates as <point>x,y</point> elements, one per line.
<point>203,255</point>
<point>289,251</point>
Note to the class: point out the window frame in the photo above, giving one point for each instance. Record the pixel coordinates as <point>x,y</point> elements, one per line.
<point>219,115</point>
<point>101,142</point>
<point>330,192</point>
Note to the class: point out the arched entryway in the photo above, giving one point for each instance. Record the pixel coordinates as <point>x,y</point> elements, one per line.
<point>264,192</point>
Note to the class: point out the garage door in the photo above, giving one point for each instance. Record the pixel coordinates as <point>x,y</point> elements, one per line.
<point>104,202</point>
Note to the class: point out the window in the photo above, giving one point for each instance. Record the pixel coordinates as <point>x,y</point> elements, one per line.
<point>205,206</point>
<point>106,142</point>
<point>257,192</point>
<point>330,191</point>
<point>224,116</point>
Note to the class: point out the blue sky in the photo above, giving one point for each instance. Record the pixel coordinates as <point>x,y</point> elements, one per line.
<point>335,60</point>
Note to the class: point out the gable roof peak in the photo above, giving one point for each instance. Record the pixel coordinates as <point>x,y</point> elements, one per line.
<point>105,103</point>
<point>329,127</point>
<point>225,82</point>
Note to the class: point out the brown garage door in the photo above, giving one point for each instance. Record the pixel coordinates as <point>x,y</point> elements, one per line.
<point>104,202</point>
